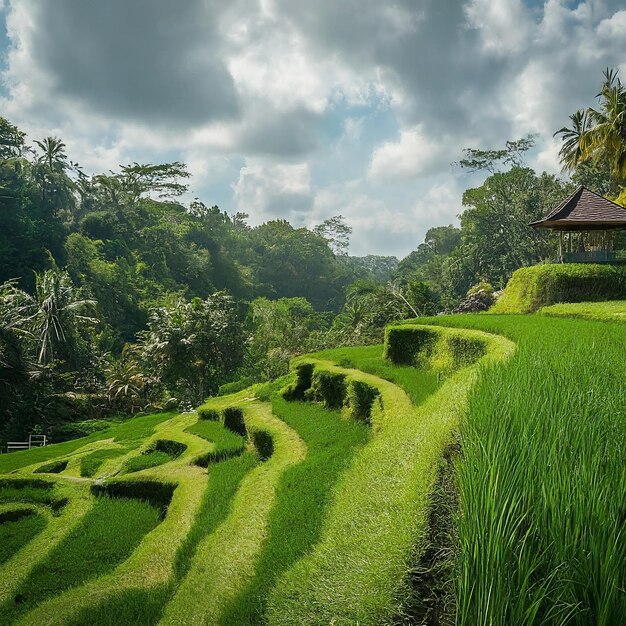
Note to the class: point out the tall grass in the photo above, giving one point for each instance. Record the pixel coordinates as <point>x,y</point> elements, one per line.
<point>542,482</point>
<point>357,572</point>
<point>107,535</point>
<point>417,383</point>
<point>613,311</point>
<point>91,463</point>
<point>227,443</point>
<point>304,493</point>
<point>17,528</point>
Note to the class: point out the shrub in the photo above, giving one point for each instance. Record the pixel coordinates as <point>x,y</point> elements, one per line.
<point>531,288</point>
<point>172,448</point>
<point>237,385</point>
<point>156,493</point>
<point>406,345</point>
<point>263,443</point>
<point>304,380</point>
<point>55,467</point>
<point>233,420</point>
<point>483,286</point>
<point>209,414</point>
<point>329,388</point>
<point>465,350</point>
<point>361,397</point>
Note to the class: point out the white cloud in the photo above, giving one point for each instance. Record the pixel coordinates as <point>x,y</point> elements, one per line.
<point>279,190</point>
<point>504,25</point>
<point>614,27</point>
<point>415,154</point>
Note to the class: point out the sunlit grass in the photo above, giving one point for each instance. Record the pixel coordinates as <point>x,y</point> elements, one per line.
<point>543,478</point>
<point>17,528</point>
<point>304,493</point>
<point>613,311</point>
<point>417,383</point>
<point>132,430</point>
<point>106,536</point>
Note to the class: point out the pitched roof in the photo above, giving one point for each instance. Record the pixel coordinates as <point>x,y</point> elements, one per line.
<point>584,208</point>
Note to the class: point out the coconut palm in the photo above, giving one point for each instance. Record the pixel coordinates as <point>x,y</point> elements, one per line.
<point>573,136</point>
<point>599,135</point>
<point>607,135</point>
<point>60,310</point>
<point>52,154</point>
<point>125,382</point>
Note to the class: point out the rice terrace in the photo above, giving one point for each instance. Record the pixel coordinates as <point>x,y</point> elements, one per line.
<point>308,501</point>
<point>383,383</point>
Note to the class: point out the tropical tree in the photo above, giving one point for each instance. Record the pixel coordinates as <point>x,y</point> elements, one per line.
<point>193,347</point>
<point>598,135</point>
<point>53,154</point>
<point>60,316</point>
<point>51,167</point>
<point>126,382</point>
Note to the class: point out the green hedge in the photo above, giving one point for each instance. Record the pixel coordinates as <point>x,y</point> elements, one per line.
<point>406,345</point>
<point>329,388</point>
<point>233,420</point>
<point>263,443</point>
<point>156,493</point>
<point>361,398</point>
<point>209,414</point>
<point>304,380</point>
<point>172,448</point>
<point>531,288</point>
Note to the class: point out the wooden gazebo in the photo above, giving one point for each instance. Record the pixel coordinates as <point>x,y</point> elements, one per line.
<point>588,225</point>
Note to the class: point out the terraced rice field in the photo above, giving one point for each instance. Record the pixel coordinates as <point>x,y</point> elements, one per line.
<point>340,496</point>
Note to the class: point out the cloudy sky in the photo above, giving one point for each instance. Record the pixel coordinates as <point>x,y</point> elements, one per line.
<point>303,110</point>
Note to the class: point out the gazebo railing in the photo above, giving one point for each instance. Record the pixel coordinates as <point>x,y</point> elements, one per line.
<point>595,256</point>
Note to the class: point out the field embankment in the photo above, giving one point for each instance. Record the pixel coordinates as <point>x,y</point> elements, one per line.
<point>531,288</point>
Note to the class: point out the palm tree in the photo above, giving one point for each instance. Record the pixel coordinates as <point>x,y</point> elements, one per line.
<point>599,135</point>
<point>51,167</point>
<point>59,311</point>
<point>53,154</point>
<point>574,138</point>
<point>607,135</point>
<point>125,382</point>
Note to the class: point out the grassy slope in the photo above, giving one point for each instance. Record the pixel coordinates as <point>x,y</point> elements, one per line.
<point>17,569</point>
<point>224,561</point>
<point>303,495</point>
<point>129,431</point>
<point>613,311</point>
<point>16,533</point>
<point>150,568</point>
<point>543,477</point>
<point>417,383</point>
<point>106,536</point>
<point>356,571</point>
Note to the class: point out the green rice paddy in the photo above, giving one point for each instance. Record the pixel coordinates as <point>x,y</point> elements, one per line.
<point>304,515</point>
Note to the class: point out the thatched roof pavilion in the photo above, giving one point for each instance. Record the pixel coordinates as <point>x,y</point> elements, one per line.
<point>588,225</point>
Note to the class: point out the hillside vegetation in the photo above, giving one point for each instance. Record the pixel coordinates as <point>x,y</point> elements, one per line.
<point>531,288</point>
<point>326,496</point>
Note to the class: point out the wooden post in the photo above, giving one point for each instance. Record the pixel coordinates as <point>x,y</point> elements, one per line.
<point>561,245</point>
